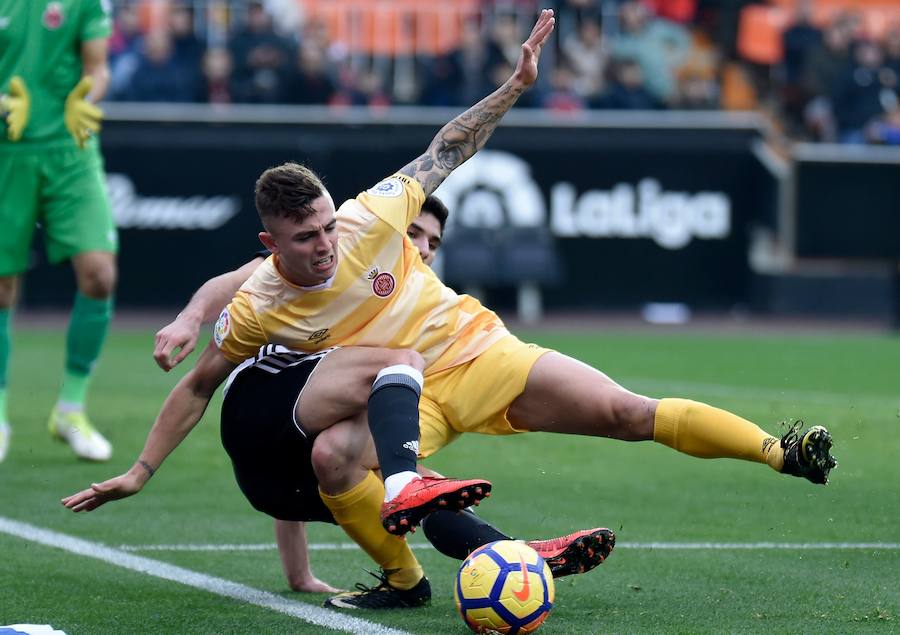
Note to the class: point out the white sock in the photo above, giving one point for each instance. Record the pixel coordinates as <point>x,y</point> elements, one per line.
<point>68,406</point>
<point>396,482</point>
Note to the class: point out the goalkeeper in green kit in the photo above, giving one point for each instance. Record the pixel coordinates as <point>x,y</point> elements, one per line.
<point>53,69</point>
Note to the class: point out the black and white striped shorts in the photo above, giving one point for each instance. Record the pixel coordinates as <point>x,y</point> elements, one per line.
<point>269,450</point>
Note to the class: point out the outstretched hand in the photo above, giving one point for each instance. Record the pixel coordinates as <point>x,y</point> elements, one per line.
<point>181,333</point>
<point>97,494</point>
<point>527,66</point>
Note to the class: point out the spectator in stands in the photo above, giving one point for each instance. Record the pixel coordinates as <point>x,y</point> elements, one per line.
<point>585,54</point>
<point>799,40</point>
<point>824,63</point>
<point>503,45</point>
<point>365,88</point>
<point>658,46</point>
<point>124,51</point>
<point>126,31</point>
<point>261,58</point>
<point>681,11</point>
<point>886,130</point>
<point>442,80</point>
<point>188,47</point>
<point>459,78</point>
<point>697,90</point>
<point>159,76</point>
<point>214,86</point>
<point>860,93</point>
<point>311,82</point>
<point>571,14</point>
<point>562,96</point>
<point>892,49</point>
<point>626,90</point>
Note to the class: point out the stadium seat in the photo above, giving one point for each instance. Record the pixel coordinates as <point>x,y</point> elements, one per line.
<point>529,261</point>
<point>470,259</point>
<point>759,34</point>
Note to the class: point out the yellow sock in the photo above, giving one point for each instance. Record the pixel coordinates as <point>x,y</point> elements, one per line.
<point>358,512</point>
<point>701,430</point>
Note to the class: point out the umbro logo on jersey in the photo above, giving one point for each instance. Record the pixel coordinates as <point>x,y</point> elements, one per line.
<point>320,336</point>
<point>53,17</point>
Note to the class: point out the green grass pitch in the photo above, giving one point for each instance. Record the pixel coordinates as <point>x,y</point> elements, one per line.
<point>544,485</point>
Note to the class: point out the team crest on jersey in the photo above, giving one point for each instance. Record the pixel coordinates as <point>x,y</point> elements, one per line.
<point>53,17</point>
<point>319,336</point>
<point>383,285</point>
<point>390,188</point>
<point>222,327</point>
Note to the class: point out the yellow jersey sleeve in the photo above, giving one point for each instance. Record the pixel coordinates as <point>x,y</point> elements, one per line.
<point>238,332</point>
<point>396,200</point>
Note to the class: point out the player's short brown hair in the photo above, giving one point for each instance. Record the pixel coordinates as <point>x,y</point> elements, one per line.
<point>435,206</point>
<point>287,190</point>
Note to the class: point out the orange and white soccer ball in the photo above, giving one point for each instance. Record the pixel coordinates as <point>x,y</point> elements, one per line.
<point>504,587</point>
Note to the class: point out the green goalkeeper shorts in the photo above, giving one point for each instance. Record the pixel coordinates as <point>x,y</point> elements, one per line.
<point>61,189</point>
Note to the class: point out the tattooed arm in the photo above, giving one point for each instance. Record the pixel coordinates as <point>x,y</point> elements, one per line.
<point>465,135</point>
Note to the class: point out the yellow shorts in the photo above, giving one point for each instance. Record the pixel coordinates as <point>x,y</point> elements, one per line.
<point>475,396</point>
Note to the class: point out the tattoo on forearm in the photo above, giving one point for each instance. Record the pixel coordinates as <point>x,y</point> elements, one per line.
<point>461,138</point>
<point>147,467</point>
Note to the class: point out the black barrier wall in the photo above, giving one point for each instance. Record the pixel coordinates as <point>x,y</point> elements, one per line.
<point>847,202</point>
<point>638,210</point>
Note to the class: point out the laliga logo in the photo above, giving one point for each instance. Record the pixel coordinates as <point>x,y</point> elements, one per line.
<point>488,187</point>
<point>494,189</point>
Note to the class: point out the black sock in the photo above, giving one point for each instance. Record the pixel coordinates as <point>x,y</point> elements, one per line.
<point>394,419</point>
<point>457,534</point>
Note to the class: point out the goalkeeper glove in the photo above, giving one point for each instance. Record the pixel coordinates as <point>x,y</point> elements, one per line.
<point>16,107</point>
<point>82,117</point>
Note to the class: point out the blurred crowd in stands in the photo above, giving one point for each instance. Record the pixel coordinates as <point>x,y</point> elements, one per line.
<point>824,70</point>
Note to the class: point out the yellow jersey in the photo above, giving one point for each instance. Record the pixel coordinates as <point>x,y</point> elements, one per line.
<point>381,294</point>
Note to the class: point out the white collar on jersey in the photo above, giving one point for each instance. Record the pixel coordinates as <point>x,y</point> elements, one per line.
<point>322,285</point>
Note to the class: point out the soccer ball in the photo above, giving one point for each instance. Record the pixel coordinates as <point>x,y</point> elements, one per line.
<point>504,587</point>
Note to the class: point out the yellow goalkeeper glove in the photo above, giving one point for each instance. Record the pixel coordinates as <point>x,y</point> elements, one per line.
<point>82,117</point>
<point>15,107</point>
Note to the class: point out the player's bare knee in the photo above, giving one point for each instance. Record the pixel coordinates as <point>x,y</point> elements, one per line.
<point>634,416</point>
<point>97,281</point>
<point>332,453</point>
<point>406,357</point>
<point>8,288</point>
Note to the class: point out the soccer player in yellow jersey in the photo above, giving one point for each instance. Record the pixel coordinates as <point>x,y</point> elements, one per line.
<point>453,534</point>
<point>350,279</point>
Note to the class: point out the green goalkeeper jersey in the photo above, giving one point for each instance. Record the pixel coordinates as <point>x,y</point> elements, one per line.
<point>40,40</point>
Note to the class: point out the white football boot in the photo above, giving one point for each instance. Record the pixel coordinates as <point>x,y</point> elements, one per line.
<point>74,428</point>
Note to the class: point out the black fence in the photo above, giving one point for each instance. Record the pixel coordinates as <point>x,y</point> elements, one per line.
<point>847,202</point>
<point>637,209</point>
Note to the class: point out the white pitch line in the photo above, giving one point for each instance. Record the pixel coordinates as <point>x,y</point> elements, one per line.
<point>219,586</point>
<point>344,546</point>
<point>757,393</point>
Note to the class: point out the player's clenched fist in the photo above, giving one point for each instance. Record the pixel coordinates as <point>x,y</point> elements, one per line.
<point>81,116</point>
<point>16,106</point>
